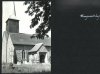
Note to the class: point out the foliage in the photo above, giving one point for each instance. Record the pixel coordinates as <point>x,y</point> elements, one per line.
<point>39,9</point>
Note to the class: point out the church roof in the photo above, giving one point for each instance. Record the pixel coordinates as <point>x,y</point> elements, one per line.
<point>13,17</point>
<point>24,39</point>
<point>36,47</point>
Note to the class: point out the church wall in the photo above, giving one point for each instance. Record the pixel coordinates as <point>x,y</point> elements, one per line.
<point>49,53</point>
<point>19,49</point>
<point>48,48</point>
<point>43,49</point>
<point>4,41</point>
<point>35,57</point>
<point>10,51</point>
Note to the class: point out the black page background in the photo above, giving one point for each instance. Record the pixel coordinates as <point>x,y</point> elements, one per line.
<point>75,42</point>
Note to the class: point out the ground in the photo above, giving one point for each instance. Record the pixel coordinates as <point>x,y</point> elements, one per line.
<point>24,68</point>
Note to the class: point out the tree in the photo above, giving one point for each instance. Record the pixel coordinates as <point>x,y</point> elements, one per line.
<point>41,9</point>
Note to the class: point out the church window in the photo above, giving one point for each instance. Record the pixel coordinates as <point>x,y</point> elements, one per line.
<point>23,54</point>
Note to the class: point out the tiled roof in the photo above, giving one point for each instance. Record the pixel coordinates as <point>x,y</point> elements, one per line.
<point>36,47</point>
<point>24,39</point>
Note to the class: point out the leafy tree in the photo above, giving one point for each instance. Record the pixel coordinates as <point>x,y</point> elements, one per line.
<point>41,9</point>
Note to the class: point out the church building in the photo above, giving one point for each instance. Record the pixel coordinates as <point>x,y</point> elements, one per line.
<point>19,48</point>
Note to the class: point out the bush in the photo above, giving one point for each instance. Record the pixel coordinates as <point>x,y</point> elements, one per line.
<point>11,65</point>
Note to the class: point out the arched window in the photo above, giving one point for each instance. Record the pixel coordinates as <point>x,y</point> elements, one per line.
<point>23,54</point>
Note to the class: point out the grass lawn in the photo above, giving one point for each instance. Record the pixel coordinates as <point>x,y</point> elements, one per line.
<point>26,68</point>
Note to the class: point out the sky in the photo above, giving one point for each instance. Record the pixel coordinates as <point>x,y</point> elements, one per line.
<point>25,19</point>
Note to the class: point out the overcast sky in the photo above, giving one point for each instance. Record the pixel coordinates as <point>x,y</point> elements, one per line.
<point>24,23</point>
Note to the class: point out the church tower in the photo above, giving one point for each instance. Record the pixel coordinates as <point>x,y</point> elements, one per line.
<point>12,23</point>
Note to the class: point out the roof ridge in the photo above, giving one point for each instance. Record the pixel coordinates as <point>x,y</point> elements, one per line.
<point>26,34</point>
<point>39,46</point>
<point>20,33</point>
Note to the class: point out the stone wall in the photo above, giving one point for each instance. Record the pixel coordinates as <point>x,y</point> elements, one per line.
<point>10,50</point>
<point>49,53</point>
<point>19,48</point>
<point>4,41</point>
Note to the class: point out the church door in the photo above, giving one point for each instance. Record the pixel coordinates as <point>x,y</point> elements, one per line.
<point>42,57</point>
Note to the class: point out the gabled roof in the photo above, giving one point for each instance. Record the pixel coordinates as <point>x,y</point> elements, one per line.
<point>24,39</point>
<point>13,17</point>
<point>36,47</point>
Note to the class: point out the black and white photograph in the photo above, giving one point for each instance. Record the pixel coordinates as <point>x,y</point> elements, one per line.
<point>26,37</point>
